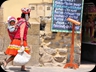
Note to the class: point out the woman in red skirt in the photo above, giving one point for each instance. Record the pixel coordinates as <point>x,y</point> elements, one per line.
<point>20,38</point>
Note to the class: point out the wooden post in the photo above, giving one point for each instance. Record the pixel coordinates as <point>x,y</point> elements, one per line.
<point>71,64</point>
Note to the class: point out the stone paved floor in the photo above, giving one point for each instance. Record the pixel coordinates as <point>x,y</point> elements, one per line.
<point>82,68</point>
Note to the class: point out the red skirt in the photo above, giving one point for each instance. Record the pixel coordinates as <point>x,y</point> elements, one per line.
<point>15,46</point>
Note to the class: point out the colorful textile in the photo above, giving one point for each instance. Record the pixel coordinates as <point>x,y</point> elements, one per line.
<point>25,10</point>
<point>15,46</point>
<point>11,18</point>
<point>22,29</point>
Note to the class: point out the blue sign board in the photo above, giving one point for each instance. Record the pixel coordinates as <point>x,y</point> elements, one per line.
<point>62,9</point>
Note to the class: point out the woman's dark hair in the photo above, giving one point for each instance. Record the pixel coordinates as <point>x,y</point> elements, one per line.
<point>12,21</point>
<point>23,15</point>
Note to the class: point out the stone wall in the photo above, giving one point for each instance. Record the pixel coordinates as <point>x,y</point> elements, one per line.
<point>55,47</point>
<point>1,14</point>
<point>33,42</point>
<point>47,48</point>
<point>2,35</point>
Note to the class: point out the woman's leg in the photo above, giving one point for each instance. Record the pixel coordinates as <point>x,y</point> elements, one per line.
<point>5,62</point>
<point>23,67</point>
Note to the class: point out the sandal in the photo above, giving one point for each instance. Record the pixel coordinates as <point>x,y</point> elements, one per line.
<point>4,64</point>
<point>23,69</point>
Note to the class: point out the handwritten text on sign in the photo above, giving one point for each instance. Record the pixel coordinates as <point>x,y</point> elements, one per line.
<point>62,9</point>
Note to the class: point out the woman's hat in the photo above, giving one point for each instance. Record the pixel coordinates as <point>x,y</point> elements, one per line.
<point>11,18</point>
<point>26,10</point>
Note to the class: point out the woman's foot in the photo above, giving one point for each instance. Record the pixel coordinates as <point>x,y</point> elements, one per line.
<point>23,68</point>
<point>4,64</point>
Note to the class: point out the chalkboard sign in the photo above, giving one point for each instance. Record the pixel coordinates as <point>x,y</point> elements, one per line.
<point>62,9</point>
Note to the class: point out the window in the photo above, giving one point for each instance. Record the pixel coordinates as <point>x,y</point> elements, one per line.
<point>48,8</point>
<point>42,25</point>
<point>32,8</point>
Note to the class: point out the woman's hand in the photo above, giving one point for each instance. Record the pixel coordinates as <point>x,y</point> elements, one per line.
<point>21,42</point>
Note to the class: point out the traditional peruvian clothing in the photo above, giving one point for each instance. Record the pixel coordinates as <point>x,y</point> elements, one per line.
<point>11,34</point>
<point>11,28</point>
<point>22,28</point>
<point>15,44</point>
